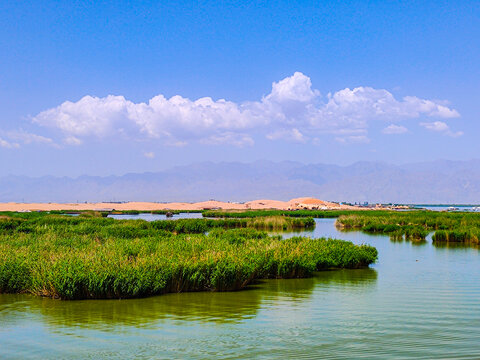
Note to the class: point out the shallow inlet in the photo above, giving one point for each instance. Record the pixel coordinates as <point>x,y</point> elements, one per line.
<point>418,301</point>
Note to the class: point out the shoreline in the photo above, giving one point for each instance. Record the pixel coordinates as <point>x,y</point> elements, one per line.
<point>294,204</point>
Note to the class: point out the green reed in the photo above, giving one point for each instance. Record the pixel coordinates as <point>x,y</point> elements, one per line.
<point>288,213</point>
<point>81,258</point>
<point>416,225</point>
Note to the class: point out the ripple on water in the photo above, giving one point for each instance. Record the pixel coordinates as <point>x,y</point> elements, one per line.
<point>400,308</point>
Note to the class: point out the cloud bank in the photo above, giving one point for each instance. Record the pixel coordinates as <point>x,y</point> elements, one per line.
<point>292,111</point>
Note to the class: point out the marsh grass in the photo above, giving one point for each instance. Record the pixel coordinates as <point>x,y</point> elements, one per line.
<point>288,213</point>
<point>127,228</point>
<point>459,235</point>
<point>416,225</point>
<point>95,257</point>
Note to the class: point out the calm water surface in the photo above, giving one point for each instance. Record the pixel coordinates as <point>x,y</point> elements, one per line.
<point>418,301</point>
<point>152,217</point>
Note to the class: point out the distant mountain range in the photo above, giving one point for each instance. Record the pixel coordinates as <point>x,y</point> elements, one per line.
<point>433,182</point>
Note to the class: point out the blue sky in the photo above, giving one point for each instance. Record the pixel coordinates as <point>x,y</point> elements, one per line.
<point>108,88</point>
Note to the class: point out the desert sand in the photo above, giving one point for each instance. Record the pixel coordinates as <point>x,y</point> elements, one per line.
<point>294,204</point>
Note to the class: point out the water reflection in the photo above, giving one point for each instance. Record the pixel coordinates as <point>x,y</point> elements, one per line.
<point>397,238</point>
<point>348,278</point>
<point>455,245</point>
<point>201,306</point>
<point>419,242</point>
<point>101,314</point>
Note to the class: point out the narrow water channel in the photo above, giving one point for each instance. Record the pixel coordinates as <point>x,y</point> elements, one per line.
<point>419,301</point>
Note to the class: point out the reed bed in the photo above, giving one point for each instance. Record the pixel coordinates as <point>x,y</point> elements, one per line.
<point>416,225</point>
<point>34,222</point>
<point>287,213</point>
<point>85,258</point>
<point>459,235</point>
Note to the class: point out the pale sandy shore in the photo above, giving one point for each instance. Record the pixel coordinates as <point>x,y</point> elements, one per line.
<point>298,203</point>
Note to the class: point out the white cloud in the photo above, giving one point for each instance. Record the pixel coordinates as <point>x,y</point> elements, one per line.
<point>435,126</point>
<point>297,87</point>
<point>72,140</point>
<point>8,145</point>
<point>394,129</point>
<point>229,138</point>
<point>431,108</point>
<point>441,127</point>
<point>354,139</point>
<point>149,154</point>
<point>29,138</point>
<point>293,135</point>
<point>292,111</point>
<point>88,116</point>
<point>14,139</point>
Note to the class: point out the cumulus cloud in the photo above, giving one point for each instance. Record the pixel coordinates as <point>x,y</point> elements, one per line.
<point>441,127</point>
<point>88,116</point>
<point>394,129</point>
<point>297,87</point>
<point>293,111</point>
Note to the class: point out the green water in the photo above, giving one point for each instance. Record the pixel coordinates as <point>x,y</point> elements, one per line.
<point>419,301</point>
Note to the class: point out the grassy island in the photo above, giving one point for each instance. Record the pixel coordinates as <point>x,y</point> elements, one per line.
<point>416,225</point>
<point>287,213</point>
<point>95,257</point>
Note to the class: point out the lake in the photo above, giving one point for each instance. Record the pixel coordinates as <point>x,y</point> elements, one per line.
<point>418,301</point>
<point>153,217</point>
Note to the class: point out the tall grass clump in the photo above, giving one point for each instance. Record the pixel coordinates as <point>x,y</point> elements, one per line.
<point>459,235</point>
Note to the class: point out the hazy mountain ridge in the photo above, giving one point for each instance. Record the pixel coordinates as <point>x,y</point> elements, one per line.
<point>428,182</point>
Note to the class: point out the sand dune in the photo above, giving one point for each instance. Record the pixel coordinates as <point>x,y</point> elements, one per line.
<point>298,203</point>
